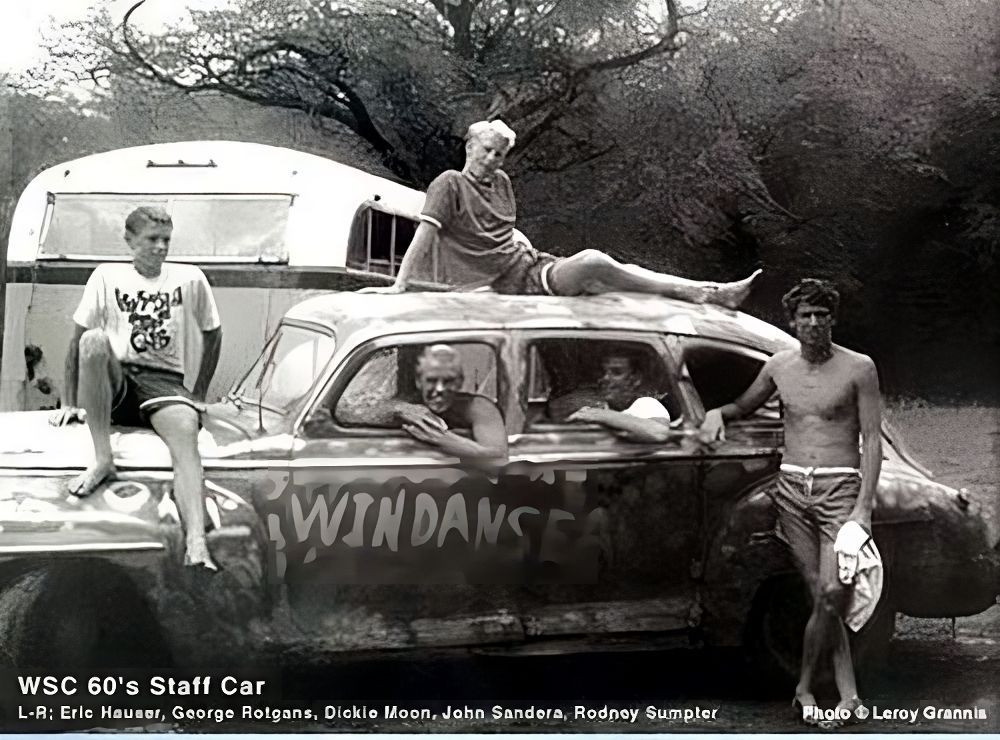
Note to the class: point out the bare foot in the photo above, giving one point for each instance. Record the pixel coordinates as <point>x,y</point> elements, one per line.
<point>731,295</point>
<point>805,703</point>
<point>198,556</point>
<point>85,483</point>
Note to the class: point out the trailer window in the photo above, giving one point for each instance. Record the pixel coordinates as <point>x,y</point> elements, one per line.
<point>379,240</point>
<point>209,228</point>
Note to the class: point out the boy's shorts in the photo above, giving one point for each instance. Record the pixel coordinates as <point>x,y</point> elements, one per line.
<point>529,275</point>
<point>143,391</point>
<point>817,502</point>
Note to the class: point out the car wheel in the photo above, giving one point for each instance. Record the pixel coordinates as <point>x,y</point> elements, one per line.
<point>870,645</point>
<point>774,630</point>
<point>76,617</point>
<point>777,623</point>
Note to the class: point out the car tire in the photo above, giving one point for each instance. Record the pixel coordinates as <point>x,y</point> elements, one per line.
<point>773,638</point>
<point>870,645</point>
<point>777,623</point>
<point>77,617</point>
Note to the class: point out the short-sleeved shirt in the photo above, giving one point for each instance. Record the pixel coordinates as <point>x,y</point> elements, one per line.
<point>648,408</point>
<point>148,319</point>
<point>475,229</point>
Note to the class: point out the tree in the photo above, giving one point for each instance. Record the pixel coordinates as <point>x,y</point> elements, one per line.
<point>406,76</point>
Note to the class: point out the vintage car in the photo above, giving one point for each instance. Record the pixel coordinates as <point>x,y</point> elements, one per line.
<point>342,536</point>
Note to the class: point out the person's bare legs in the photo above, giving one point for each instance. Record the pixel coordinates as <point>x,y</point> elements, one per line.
<point>591,272</point>
<point>100,376</point>
<point>804,543</point>
<point>835,600</point>
<point>812,642</point>
<point>825,631</point>
<point>177,425</point>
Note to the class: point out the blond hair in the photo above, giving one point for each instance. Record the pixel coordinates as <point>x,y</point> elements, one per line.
<point>497,127</point>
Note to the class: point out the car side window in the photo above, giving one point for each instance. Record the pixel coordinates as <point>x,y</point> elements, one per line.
<point>388,376</point>
<point>567,374</point>
<point>721,374</point>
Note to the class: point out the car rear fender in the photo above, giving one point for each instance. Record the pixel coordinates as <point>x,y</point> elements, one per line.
<point>743,554</point>
<point>946,561</point>
<point>936,539</point>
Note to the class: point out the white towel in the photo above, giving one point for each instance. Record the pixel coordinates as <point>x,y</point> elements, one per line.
<point>859,562</point>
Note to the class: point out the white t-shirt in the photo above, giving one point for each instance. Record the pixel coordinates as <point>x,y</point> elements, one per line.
<point>648,408</point>
<point>149,320</point>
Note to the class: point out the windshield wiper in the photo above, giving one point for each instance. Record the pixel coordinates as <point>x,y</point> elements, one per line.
<point>260,383</point>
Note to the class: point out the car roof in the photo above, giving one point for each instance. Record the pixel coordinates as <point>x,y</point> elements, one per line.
<point>357,317</point>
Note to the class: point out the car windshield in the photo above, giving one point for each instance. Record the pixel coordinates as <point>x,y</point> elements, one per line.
<point>287,369</point>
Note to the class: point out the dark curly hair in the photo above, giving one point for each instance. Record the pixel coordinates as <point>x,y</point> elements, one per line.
<point>813,291</point>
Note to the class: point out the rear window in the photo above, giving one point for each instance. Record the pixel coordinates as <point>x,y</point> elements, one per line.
<point>721,374</point>
<point>217,227</point>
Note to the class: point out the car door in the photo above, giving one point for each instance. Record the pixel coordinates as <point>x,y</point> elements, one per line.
<point>622,555</point>
<point>741,546</point>
<point>390,539</point>
<point>713,373</point>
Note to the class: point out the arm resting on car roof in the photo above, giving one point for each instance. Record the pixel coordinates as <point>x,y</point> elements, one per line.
<point>421,245</point>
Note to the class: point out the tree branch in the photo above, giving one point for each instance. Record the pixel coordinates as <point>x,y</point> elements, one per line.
<point>493,38</point>
<point>345,105</point>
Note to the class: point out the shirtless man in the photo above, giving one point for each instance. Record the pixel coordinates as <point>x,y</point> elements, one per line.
<point>830,395</point>
<point>621,402</point>
<point>470,216</point>
<point>445,406</point>
<point>125,363</point>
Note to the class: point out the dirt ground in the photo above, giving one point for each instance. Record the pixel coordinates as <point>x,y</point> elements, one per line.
<point>960,445</point>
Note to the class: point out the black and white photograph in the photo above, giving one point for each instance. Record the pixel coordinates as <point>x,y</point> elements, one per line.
<point>500,366</point>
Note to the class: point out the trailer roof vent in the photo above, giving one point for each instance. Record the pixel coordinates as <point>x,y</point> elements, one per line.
<point>182,163</point>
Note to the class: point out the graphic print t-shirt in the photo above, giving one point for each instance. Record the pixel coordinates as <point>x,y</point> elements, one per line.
<point>476,228</point>
<point>148,320</point>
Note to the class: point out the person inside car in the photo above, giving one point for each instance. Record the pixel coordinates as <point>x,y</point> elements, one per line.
<point>125,363</point>
<point>621,401</point>
<point>831,398</point>
<point>470,215</point>
<point>442,407</point>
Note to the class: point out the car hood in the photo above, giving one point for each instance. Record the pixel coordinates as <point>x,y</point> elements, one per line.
<point>29,442</point>
<point>38,515</point>
<point>136,512</point>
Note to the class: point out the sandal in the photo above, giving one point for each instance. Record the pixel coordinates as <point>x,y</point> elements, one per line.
<point>810,719</point>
